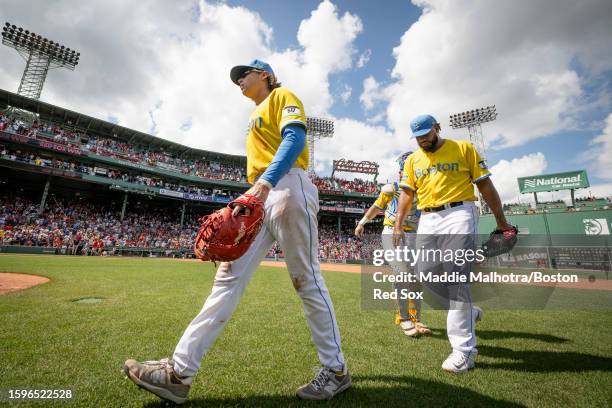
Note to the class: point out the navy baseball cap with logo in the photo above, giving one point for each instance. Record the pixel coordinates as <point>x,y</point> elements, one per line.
<point>421,125</point>
<point>239,70</point>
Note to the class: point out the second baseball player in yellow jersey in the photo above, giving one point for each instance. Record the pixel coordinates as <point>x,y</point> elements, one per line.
<point>408,312</point>
<point>387,201</point>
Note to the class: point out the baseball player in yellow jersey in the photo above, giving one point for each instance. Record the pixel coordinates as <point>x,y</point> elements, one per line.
<point>277,156</point>
<point>408,313</point>
<point>442,174</point>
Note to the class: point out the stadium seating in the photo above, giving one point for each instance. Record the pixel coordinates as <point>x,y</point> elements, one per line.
<point>337,184</point>
<point>121,150</point>
<point>86,227</point>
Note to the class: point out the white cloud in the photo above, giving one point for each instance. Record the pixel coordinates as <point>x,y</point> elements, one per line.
<point>602,151</point>
<point>364,58</point>
<point>504,175</point>
<point>169,71</point>
<point>520,56</point>
<point>327,38</point>
<point>597,190</point>
<point>346,93</point>
<point>372,93</point>
<point>358,141</point>
<point>376,119</point>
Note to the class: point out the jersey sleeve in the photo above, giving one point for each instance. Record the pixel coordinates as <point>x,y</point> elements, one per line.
<point>478,166</point>
<point>408,181</point>
<point>383,200</point>
<point>289,109</point>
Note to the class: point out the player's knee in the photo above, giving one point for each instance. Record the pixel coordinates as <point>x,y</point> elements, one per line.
<point>312,291</point>
<point>224,275</point>
<point>298,282</point>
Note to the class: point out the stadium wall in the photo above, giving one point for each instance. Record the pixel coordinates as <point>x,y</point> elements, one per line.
<point>596,222</point>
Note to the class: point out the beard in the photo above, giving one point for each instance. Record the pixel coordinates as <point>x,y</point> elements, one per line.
<point>434,143</point>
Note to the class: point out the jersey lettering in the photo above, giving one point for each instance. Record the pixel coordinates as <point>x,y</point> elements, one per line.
<point>438,167</point>
<point>291,110</point>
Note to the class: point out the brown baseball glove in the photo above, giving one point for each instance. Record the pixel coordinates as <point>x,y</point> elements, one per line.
<point>223,237</point>
<point>500,242</point>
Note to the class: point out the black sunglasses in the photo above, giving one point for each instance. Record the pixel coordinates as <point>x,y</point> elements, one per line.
<point>247,72</point>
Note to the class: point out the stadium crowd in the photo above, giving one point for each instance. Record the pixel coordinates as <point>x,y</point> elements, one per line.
<point>344,245</point>
<point>115,174</point>
<point>112,147</point>
<point>345,203</point>
<point>335,184</point>
<point>144,155</point>
<point>95,228</point>
<point>88,228</point>
<point>581,204</point>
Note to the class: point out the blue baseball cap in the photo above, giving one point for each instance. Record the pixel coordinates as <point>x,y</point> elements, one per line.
<point>238,70</point>
<point>421,125</point>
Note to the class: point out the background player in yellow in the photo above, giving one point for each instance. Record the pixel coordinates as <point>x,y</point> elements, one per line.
<point>442,174</point>
<point>408,313</point>
<point>277,156</point>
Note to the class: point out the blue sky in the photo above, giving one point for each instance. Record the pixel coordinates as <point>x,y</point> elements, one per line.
<point>371,66</point>
<point>384,24</point>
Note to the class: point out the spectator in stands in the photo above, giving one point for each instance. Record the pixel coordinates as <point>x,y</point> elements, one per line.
<point>122,150</point>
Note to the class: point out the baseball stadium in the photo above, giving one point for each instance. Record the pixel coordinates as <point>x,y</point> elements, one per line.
<point>97,266</point>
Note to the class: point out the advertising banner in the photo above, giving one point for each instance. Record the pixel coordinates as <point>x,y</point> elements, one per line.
<point>553,182</point>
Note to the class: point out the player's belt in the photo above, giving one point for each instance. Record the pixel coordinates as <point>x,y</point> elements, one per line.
<point>443,207</point>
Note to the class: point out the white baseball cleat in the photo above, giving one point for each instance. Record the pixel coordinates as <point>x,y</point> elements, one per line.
<point>409,328</point>
<point>458,362</point>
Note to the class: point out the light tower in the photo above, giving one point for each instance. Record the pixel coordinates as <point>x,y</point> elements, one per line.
<point>317,128</point>
<point>40,54</point>
<point>472,120</point>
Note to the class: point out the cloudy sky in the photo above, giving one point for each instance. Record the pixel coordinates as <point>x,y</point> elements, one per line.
<point>370,66</point>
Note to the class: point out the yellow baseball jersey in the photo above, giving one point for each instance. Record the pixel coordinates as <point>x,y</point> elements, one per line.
<point>279,109</point>
<point>446,175</point>
<point>387,201</point>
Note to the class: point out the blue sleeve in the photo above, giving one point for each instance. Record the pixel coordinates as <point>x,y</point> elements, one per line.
<point>294,140</point>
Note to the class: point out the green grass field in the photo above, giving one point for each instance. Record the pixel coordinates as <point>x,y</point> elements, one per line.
<point>527,358</point>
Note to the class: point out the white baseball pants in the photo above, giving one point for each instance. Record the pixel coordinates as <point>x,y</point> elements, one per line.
<point>291,219</point>
<point>453,228</point>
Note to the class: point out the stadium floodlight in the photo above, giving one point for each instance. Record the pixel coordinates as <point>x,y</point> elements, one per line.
<point>317,128</point>
<point>40,54</point>
<point>472,120</point>
<point>473,117</point>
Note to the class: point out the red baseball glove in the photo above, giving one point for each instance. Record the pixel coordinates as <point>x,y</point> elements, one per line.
<point>223,237</point>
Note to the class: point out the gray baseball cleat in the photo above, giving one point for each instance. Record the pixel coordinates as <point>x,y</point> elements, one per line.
<point>325,385</point>
<point>478,312</point>
<point>159,378</point>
